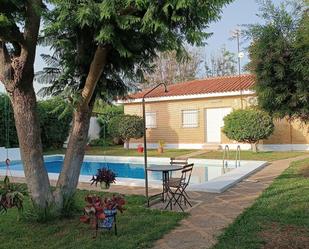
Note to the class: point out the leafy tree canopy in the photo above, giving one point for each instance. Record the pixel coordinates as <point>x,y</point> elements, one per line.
<point>132,32</point>
<point>279,56</point>
<point>248,126</point>
<point>126,127</point>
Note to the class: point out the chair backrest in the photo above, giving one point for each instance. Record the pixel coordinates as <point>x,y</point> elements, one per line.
<point>186,173</point>
<point>179,161</point>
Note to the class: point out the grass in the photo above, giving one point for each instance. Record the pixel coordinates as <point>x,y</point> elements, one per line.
<point>278,219</point>
<point>249,155</point>
<point>118,150</point>
<point>138,227</point>
<point>245,155</point>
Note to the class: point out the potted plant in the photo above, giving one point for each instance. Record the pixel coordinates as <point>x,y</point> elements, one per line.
<point>161,144</point>
<point>101,213</point>
<point>11,196</point>
<point>104,177</point>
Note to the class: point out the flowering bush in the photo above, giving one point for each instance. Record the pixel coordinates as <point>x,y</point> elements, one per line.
<point>96,207</point>
<point>11,196</point>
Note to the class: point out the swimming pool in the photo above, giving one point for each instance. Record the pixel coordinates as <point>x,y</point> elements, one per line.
<point>131,170</point>
<point>208,174</point>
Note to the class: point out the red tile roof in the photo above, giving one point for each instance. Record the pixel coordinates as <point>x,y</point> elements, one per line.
<point>204,86</point>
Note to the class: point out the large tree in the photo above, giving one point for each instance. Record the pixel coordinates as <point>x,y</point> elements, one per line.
<point>169,69</point>
<point>99,43</point>
<point>19,28</point>
<point>279,59</point>
<point>221,64</point>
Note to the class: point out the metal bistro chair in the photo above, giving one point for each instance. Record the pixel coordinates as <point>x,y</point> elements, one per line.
<point>181,161</point>
<point>177,189</point>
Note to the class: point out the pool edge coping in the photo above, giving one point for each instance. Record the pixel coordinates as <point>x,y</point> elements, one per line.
<point>215,185</point>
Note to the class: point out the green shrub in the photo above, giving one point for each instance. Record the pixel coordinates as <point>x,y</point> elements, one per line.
<point>54,122</point>
<point>248,126</point>
<point>101,142</point>
<point>126,127</point>
<point>106,114</point>
<point>6,113</point>
<point>113,126</point>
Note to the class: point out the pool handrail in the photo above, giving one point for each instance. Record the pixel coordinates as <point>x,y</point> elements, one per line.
<point>237,160</point>
<point>226,156</point>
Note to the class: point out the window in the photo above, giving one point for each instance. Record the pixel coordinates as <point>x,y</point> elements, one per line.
<point>151,120</point>
<point>190,118</point>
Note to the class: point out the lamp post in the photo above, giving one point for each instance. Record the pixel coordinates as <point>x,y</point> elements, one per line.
<point>236,34</point>
<point>145,138</point>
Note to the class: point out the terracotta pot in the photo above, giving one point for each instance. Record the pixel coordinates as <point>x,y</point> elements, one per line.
<point>160,150</point>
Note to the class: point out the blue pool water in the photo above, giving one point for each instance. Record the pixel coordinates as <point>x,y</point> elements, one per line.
<point>124,170</point>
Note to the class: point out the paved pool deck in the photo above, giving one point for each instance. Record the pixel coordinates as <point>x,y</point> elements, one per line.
<point>212,212</point>
<point>217,211</point>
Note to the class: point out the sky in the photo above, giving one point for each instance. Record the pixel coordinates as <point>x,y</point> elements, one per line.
<point>237,13</point>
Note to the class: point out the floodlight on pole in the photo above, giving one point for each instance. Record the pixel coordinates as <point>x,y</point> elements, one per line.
<point>145,137</point>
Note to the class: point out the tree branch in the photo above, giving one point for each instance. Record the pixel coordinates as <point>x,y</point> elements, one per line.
<point>17,48</point>
<point>12,34</point>
<point>5,62</point>
<point>32,25</point>
<point>95,72</point>
<point>128,10</point>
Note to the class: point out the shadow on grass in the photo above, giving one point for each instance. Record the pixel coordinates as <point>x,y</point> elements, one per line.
<point>138,227</point>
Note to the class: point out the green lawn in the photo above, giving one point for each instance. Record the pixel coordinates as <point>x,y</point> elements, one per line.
<point>249,155</point>
<point>245,155</point>
<point>278,219</point>
<point>120,151</point>
<point>138,227</point>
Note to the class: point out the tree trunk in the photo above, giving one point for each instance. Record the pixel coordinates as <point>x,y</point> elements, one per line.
<point>127,143</point>
<point>74,156</point>
<point>16,73</point>
<point>254,147</point>
<point>29,136</point>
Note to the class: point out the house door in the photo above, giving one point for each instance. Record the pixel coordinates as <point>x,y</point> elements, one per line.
<point>214,123</point>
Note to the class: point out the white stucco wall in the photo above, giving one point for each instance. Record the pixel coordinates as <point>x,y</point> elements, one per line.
<point>13,154</point>
<point>94,129</point>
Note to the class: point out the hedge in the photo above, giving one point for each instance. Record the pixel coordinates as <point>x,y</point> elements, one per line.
<point>54,130</point>
<point>6,110</point>
<point>55,122</point>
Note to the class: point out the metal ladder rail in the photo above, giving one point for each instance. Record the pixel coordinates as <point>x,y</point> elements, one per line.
<point>226,156</point>
<point>237,160</point>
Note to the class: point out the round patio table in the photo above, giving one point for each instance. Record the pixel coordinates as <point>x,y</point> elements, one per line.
<point>165,169</point>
